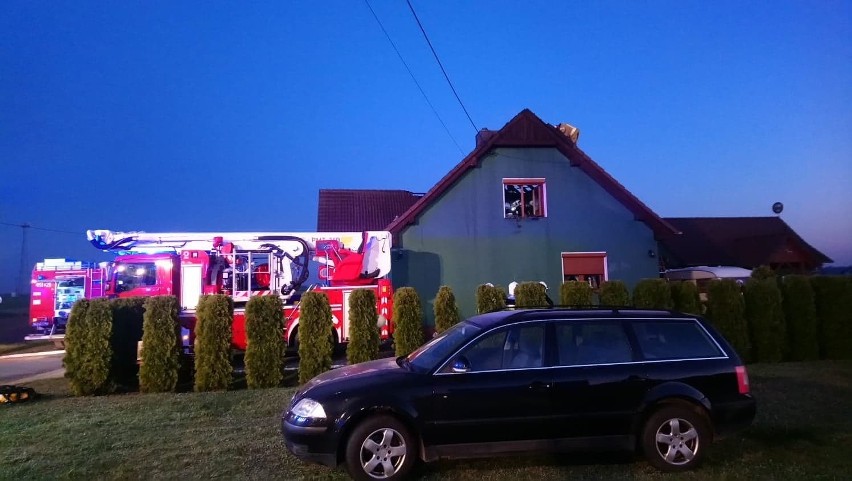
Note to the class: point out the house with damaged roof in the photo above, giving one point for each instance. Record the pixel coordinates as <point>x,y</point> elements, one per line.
<point>526,204</point>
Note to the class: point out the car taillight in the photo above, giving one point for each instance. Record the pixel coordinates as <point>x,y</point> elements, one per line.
<point>742,379</point>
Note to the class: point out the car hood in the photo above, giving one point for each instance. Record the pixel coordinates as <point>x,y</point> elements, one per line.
<point>356,372</point>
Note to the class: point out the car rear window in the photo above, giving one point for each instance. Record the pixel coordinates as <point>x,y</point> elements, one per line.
<point>674,339</point>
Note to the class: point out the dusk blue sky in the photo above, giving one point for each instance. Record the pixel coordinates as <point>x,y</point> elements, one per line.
<point>186,116</point>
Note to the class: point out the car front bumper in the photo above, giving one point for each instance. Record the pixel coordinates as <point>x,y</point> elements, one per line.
<point>315,444</point>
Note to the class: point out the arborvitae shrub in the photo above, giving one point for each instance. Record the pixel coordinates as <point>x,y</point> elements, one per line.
<point>615,294</point>
<point>726,310</point>
<point>446,310</point>
<point>801,318</point>
<point>264,358</point>
<point>160,345</point>
<point>763,272</point>
<point>765,318</point>
<point>490,299</point>
<point>214,316</point>
<point>685,297</point>
<point>407,321</point>
<point>88,360</point>
<point>576,293</point>
<point>652,294</point>
<point>833,299</point>
<point>530,294</point>
<point>364,332</point>
<point>127,319</point>
<point>315,336</point>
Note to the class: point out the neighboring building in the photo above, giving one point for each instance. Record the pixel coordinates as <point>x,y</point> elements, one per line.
<point>747,242</point>
<point>350,210</point>
<point>526,205</point>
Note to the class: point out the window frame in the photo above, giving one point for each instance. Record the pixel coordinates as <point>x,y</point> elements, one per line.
<point>535,181</point>
<point>601,254</point>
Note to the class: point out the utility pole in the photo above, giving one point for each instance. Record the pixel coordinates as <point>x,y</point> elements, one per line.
<point>22,270</point>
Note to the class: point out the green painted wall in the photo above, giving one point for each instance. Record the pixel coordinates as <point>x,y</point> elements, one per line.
<point>462,239</point>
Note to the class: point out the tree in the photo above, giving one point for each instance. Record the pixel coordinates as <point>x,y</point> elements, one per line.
<point>364,332</point>
<point>407,321</point>
<point>446,309</point>
<point>214,316</point>
<point>160,345</point>
<point>576,293</point>
<point>316,331</point>
<point>264,357</point>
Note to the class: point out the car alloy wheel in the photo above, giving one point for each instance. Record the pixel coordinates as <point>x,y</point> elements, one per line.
<point>674,438</point>
<point>380,448</point>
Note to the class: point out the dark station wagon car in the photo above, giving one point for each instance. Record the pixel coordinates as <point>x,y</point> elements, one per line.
<point>538,380</point>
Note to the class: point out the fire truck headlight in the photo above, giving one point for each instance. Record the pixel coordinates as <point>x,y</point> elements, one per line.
<point>308,408</point>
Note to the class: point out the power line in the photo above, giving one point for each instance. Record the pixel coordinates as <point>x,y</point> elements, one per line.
<point>28,226</point>
<point>411,7</point>
<point>412,76</point>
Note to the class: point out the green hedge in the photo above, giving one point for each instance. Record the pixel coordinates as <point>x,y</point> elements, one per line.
<point>530,294</point>
<point>446,310</point>
<point>127,319</point>
<point>264,358</point>
<point>726,310</point>
<point>833,299</point>
<point>490,299</point>
<point>364,332</point>
<point>407,321</point>
<point>214,316</point>
<point>615,294</point>
<point>88,351</point>
<point>160,345</point>
<point>685,297</point>
<point>652,294</point>
<point>315,336</point>
<point>801,318</point>
<point>576,293</point>
<point>765,319</point>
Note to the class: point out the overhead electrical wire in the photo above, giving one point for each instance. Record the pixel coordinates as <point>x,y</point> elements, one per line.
<point>387,35</point>
<point>411,7</point>
<point>28,226</point>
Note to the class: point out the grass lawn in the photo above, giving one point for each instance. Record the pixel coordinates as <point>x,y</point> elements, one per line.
<point>803,431</point>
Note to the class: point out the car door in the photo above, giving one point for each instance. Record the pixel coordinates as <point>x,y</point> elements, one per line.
<point>498,391</point>
<point>597,385</point>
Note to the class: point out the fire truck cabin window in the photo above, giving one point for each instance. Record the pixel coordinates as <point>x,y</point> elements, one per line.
<point>524,198</point>
<point>131,276</point>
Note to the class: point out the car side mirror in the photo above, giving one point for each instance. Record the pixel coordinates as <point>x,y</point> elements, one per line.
<point>461,365</point>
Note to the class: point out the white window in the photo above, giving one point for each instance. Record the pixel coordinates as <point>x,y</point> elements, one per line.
<point>524,198</point>
<point>588,267</point>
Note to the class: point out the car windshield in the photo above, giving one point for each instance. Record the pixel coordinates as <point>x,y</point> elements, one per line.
<point>427,356</point>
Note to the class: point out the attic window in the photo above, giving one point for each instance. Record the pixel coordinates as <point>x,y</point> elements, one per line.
<point>524,198</point>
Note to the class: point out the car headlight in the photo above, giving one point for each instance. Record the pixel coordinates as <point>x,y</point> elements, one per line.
<point>308,408</point>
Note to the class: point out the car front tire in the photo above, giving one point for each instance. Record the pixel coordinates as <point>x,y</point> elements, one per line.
<point>675,438</point>
<point>380,448</point>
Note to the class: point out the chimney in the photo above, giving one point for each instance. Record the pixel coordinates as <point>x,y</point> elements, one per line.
<point>483,135</point>
<point>569,131</point>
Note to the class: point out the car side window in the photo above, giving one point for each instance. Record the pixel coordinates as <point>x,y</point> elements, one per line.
<point>674,339</point>
<point>516,347</point>
<point>592,342</point>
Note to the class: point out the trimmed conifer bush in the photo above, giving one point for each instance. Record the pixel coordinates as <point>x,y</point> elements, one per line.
<point>160,345</point>
<point>127,319</point>
<point>88,352</point>
<point>214,316</point>
<point>685,297</point>
<point>364,332</point>
<point>490,299</point>
<point>765,318</point>
<point>833,299</point>
<point>763,272</point>
<point>801,318</point>
<point>530,294</point>
<point>264,358</point>
<point>315,335</point>
<point>446,310</point>
<point>407,321</point>
<point>726,310</point>
<point>615,294</point>
<point>576,293</point>
<point>652,294</point>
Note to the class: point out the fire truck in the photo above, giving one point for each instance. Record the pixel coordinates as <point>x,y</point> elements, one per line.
<point>55,286</point>
<point>243,265</point>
